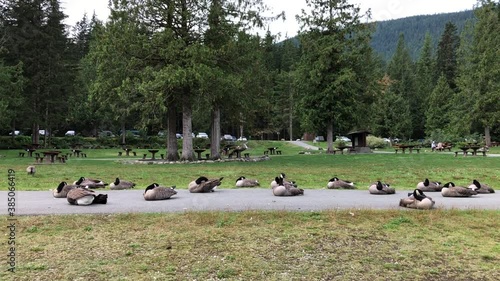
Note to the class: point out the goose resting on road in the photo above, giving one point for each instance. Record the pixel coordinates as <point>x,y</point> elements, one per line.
<point>418,200</point>
<point>429,186</point>
<point>157,192</point>
<point>62,190</point>
<point>282,190</point>
<point>244,182</point>
<point>84,197</point>
<point>481,187</point>
<point>121,184</point>
<point>90,183</point>
<point>336,183</point>
<point>203,184</point>
<point>450,190</point>
<point>381,188</point>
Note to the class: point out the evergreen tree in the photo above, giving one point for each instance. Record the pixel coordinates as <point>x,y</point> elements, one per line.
<point>334,42</point>
<point>35,36</point>
<point>446,62</point>
<point>437,115</point>
<point>402,76</point>
<point>481,69</point>
<point>425,82</point>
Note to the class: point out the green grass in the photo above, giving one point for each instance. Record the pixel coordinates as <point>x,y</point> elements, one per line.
<point>253,245</point>
<point>328,245</point>
<point>310,171</point>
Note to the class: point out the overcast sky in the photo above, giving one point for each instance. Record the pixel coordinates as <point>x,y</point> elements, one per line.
<point>381,10</point>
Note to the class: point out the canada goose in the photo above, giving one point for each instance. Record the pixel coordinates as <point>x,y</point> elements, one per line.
<point>244,182</point>
<point>31,170</point>
<point>450,190</point>
<point>62,189</point>
<point>285,182</point>
<point>429,186</point>
<point>83,196</point>
<point>381,188</point>
<point>481,187</point>
<point>282,190</point>
<point>157,192</point>
<point>121,184</point>
<point>418,200</point>
<point>203,184</point>
<point>336,183</point>
<point>90,183</point>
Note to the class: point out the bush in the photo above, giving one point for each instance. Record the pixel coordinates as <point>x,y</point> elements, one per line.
<point>375,142</point>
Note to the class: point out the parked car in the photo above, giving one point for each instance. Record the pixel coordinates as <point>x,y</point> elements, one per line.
<point>70,133</point>
<point>228,138</point>
<point>242,138</point>
<point>104,134</point>
<point>16,133</point>
<point>319,138</point>
<point>342,138</point>
<point>202,135</point>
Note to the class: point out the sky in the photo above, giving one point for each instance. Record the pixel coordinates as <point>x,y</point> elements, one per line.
<point>381,10</point>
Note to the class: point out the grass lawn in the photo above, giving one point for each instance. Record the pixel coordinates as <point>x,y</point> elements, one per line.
<point>252,245</point>
<point>309,171</point>
<point>330,245</point>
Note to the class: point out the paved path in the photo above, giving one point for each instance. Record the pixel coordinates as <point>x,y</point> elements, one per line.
<point>304,145</point>
<point>131,201</point>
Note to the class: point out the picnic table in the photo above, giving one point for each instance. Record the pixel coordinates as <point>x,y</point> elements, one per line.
<point>199,151</point>
<point>153,152</point>
<point>403,147</point>
<point>127,151</point>
<point>272,150</point>
<point>76,152</point>
<point>52,155</point>
<point>30,151</point>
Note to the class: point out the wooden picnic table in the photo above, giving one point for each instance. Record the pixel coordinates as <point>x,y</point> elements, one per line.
<point>153,152</point>
<point>272,150</point>
<point>199,151</point>
<point>52,155</point>
<point>127,151</point>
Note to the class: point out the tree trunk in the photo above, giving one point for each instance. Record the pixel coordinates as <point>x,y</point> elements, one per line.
<point>172,148</point>
<point>35,136</point>
<point>487,136</point>
<point>124,133</point>
<point>187,128</point>
<point>329,136</point>
<point>215,134</point>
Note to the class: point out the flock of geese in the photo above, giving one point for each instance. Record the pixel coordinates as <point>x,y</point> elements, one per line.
<point>81,192</point>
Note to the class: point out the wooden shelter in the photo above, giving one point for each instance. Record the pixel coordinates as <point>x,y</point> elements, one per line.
<point>358,139</point>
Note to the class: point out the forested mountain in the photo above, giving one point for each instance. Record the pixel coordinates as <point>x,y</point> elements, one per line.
<point>385,37</point>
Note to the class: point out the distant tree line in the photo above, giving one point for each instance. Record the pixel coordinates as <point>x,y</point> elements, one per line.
<point>187,65</point>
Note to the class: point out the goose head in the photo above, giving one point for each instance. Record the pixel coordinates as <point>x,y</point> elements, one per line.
<point>240,178</point>
<point>61,186</point>
<point>419,195</point>
<point>426,182</point>
<point>477,184</point>
<point>449,184</point>
<point>151,187</point>
<point>117,181</point>
<point>201,179</point>
<point>80,180</point>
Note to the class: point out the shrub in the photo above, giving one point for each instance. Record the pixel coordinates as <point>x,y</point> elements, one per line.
<point>375,142</point>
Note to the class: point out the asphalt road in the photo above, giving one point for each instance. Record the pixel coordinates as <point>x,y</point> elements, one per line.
<point>131,201</point>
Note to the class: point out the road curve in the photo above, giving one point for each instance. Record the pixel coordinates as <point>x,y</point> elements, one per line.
<point>131,201</point>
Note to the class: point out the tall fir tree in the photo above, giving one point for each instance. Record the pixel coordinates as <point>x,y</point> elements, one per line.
<point>446,61</point>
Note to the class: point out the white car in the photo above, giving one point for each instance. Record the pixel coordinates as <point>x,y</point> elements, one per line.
<point>70,133</point>
<point>242,138</point>
<point>202,136</point>
<point>344,139</point>
<point>16,133</point>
